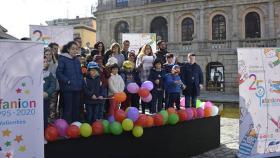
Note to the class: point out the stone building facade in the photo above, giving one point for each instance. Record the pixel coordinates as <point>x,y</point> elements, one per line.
<point>213,29</point>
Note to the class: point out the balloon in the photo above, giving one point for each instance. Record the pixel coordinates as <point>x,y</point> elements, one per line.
<point>171,111</point>
<point>73,131</point>
<point>189,113</point>
<point>208,111</point>
<point>132,88</point>
<point>51,133</point>
<point>150,121</point>
<point>194,113</point>
<point>97,127</point>
<point>158,120</point>
<point>164,114</point>
<point>77,123</point>
<point>61,125</point>
<point>173,119</point>
<point>208,104</point>
<point>182,115</point>
<point>215,111</point>
<point>85,130</point>
<point>147,99</point>
<point>200,113</point>
<point>106,126</point>
<point>137,131</point>
<point>198,103</point>
<point>141,121</point>
<point>202,105</point>
<point>126,110</point>
<point>133,113</point>
<point>116,128</point>
<point>127,124</point>
<point>148,84</point>
<point>182,102</point>
<point>119,115</point>
<point>143,92</point>
<point>120,97</point>
<point>111,118</point>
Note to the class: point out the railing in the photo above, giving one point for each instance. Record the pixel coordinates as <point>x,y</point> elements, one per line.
<point>259,42</point>
<point>215,44</point>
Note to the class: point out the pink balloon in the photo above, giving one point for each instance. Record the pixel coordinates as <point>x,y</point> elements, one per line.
<point>200,112</point>
<point>148,84</point>
<point>182,102</point>
<point>61,126</point>
<point>208,104</point>
<point>132,88</point>
<point>147,99</point>
<point>189,113</point>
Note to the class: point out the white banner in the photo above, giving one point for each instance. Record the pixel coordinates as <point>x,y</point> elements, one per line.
<point>137,40</point>
<point>47,34</point>
<point>21,100</point>
<point>259,90</point>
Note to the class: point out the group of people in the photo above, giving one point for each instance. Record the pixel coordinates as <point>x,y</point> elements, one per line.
<point>80,86</point>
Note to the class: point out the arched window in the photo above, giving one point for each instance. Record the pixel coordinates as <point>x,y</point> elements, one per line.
<point>219,27</point>
<point>187,29</point>
<point>121,27</point>
<point>215,79</point>
<point>252,25</point>
<point>159,26</point>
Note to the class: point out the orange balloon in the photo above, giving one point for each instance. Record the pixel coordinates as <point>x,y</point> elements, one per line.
<point>150,121</point>
<point>183,116</point>
<point>97,127</point>
<point>143,92</point>
<point>141,121</point>
<point>207,112</point>
<point>171,111</point>
<point>158,120</point>
<point>120,97</point>
<point>119,115</point>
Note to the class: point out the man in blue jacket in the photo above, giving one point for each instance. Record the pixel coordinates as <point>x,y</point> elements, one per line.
<point>192,77</point>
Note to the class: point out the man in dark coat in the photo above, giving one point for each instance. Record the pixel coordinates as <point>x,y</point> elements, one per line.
<point>162,51</point>
<point>192,77</point>
<point>125,47</point>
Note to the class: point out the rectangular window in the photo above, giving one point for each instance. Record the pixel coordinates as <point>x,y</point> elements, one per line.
<point>121,3</point>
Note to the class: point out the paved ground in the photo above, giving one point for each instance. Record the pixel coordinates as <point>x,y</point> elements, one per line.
<point>229,141</point>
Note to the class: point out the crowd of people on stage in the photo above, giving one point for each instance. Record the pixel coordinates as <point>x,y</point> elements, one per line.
<point>79,85</point>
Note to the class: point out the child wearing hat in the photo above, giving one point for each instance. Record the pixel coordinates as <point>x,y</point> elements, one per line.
<point>116,85</point>
<point>94,93</point>
<point>173,87</point>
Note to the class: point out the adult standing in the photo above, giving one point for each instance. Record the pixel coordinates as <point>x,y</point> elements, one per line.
<point>70,79</point>
<point>125,47</point>
<point>99,49</point>
<point>54,48</point>
<point>162,51</point>
<point>81,50</point>
<point>192,77</point>
<point>114,52</point>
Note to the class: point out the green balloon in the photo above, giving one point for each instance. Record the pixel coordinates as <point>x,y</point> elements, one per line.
<point>106,126</point>
<point>173,119</point>
<point>85,130</point>
<point>198,103</point>
<point>164,114</point>
<point>127,124</point>
<point>116,128</point>
<point>137,131</point>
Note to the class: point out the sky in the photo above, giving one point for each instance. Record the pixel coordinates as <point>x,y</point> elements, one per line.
<point>17,15</point>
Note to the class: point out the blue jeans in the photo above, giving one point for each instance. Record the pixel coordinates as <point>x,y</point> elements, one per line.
<point>189,100</point>
<point>173,98</point>
<point>71,107</point>
<point>157,101</point>
<point>94,112</point>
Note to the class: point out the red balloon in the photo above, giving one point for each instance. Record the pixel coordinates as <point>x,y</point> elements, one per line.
<point>97,127</point>
<point>141,121</point>
<point>208,111</point>
<point>158,120</point>
<point>51,133</point>
<point>171,111</point>
<point>183,116</point>
<point>119,115</point>
<point>143,92</point>
<point>120,97</point>
<point>150,121</point>
<point>73,131</point>
<point>194,113</point>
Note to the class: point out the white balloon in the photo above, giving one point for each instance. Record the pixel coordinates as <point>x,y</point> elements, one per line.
<point>215,111</point>
<point>77,123</point>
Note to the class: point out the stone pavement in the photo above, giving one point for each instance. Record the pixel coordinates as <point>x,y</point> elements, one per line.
<point>229,141</point>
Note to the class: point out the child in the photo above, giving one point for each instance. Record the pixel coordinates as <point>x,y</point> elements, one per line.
<point>49,88</point>
<point>116,85</point>
<point>156,76</point>
<point>93,93</point>
<point>130,75</point>
<point>173,85</point>
<point>169,63</point>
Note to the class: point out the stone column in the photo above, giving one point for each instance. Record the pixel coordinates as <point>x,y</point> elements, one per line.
<point>171,28</point>
<point>201,36</point>
<point>235,35</point>
<point>271,20</point>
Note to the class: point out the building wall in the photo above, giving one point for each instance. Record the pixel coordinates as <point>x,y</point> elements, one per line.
<point>87,36</point>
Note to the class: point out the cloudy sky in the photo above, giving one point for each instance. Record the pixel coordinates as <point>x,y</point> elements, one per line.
<point>17,15</point>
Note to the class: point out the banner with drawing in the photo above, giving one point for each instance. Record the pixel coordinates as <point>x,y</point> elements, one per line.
<point>21,100</point>
<point>137,40</point>
<point>259,91</point>
<point>47,34</point>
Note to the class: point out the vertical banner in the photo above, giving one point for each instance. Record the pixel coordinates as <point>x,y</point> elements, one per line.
<point>47,34</point>
<point>21,100</point>
<point>259,91</point>
<point>137,40</point>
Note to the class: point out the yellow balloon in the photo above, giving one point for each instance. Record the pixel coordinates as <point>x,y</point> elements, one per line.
<point>137,131</point>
